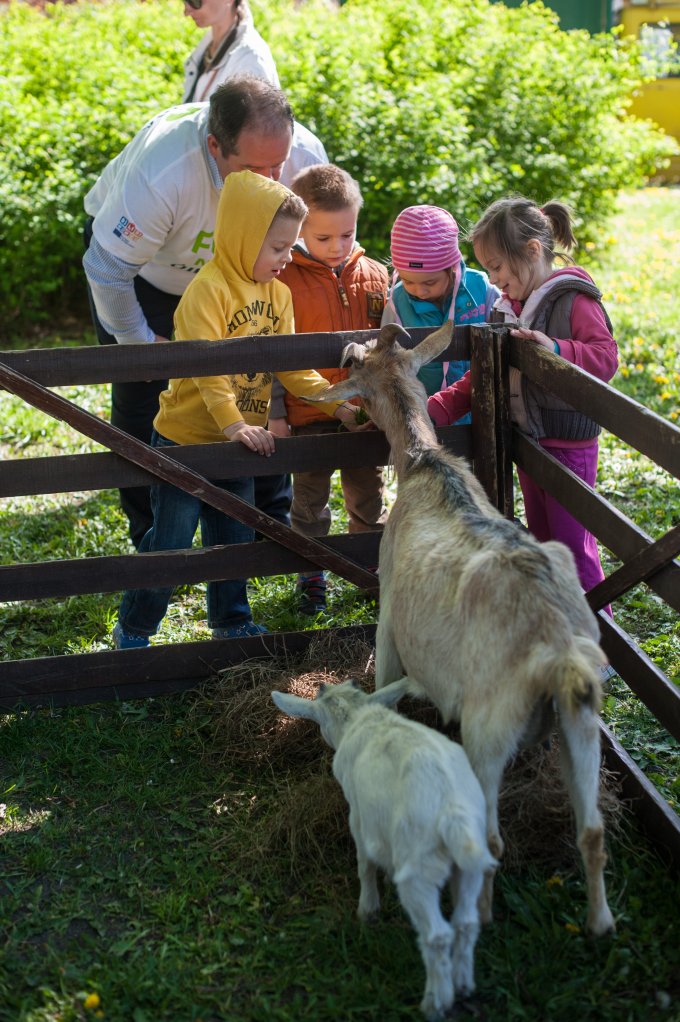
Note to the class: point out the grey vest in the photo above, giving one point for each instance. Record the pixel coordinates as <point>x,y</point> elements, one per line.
<point>547,414</point>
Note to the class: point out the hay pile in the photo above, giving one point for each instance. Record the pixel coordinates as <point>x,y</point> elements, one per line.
<point>307,816</point>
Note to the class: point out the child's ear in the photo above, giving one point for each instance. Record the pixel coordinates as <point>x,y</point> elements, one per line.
<point>535,249</point>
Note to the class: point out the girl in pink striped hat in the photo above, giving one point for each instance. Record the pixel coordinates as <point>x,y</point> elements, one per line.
<point>431,284</point>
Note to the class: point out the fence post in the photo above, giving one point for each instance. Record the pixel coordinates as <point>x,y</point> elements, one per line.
<point>501,347</point>
<point>482,374</point>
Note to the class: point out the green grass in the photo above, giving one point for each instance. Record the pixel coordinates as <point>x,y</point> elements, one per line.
<point>126,872</point>
<point>637,266</point>
<point>130,865</point>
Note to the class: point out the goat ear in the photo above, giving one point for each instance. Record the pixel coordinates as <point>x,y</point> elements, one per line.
<point>389,334</point>
<point>392,693</point>
<point>295,706</point>
<point>433,345</point>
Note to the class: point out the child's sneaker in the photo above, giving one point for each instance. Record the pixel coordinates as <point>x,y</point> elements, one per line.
<point>312,592</point>
<point>123,640</point>
<point>240,631</point>
<point>607,673</point>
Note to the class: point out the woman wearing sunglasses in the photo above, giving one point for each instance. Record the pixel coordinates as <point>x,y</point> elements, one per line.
<point>231,46</point>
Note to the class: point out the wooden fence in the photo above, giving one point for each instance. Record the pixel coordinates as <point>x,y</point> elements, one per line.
<point>491,443</point>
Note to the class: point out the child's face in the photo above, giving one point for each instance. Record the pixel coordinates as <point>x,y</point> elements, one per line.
<point>275,253</point>
<point>330,234</point>
<point>428,287</point>
<point>516,283</point>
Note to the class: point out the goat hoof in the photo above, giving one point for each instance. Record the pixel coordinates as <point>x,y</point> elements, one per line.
<point>433,1013</point>
<point>601,926</point>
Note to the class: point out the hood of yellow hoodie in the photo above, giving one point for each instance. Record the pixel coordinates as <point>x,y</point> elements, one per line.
<point>247,206</point>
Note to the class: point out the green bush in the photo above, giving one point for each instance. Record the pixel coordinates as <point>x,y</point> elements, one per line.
<point>455,103</point>
<point>78,82</point>
<point>463,102</point>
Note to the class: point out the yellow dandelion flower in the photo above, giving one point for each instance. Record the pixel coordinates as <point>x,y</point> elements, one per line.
<point>555,881</point>
<point>572,928</point>
<point>91,1002</point>
<point>660,378</point>
<point>674,415</point>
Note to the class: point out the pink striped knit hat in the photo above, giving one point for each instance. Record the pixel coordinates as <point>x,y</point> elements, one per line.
<point>425,239</point>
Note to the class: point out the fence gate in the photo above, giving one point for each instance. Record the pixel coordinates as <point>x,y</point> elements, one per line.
<point>492,444</point>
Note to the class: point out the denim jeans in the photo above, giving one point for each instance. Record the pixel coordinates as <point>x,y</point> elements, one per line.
<point>176,515</point>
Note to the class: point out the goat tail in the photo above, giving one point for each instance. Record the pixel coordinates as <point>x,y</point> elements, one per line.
<point>573,677</point>
<point>465,842</point>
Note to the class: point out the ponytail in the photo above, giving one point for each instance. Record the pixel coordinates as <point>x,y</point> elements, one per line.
<point>559,216</point>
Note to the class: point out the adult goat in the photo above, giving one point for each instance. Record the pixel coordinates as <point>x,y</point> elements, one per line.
<point>492,624</point>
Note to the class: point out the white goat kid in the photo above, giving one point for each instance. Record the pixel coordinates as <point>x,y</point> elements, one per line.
<point>416,811</point>
<point>492,624</point>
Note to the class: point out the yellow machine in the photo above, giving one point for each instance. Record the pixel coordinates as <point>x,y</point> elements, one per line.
<point>655,24</point>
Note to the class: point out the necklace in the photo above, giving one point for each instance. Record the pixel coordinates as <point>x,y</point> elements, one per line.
<point>218,47</point>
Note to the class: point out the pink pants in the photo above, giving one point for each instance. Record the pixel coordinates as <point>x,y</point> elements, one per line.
<point>547,519</point>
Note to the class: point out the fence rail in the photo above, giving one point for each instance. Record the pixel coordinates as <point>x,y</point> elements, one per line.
<point>491,443</point>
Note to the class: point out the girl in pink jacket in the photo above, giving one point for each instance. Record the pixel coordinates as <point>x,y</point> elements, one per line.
<point>561,310</point>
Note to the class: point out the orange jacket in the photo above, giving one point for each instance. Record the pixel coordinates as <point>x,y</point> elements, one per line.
<point>322,301</point>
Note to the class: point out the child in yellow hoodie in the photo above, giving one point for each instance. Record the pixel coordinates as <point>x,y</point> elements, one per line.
<point>234,295</point>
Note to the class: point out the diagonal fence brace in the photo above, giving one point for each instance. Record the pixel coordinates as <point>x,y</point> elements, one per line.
<point>166,468</point>
<point>638,569</point>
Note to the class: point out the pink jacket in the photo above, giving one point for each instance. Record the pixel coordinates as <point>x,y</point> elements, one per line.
<point>591,347</point>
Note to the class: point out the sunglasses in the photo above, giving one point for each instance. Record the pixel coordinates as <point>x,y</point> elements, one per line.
<point>194,4</point>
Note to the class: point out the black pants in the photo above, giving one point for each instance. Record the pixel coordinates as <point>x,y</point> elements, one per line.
<point>134,407</point>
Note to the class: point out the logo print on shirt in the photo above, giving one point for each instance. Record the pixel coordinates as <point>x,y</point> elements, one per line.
<point>251,391</point>
<point>127,231</point>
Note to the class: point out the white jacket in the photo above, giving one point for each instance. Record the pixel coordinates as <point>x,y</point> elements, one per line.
<point>154,209</point>
<point>248,54</point>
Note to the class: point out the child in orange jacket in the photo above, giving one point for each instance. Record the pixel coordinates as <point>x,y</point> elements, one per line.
<point>335,286</point>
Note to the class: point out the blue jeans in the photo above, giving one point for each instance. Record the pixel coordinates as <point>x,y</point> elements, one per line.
<point>176,515</point>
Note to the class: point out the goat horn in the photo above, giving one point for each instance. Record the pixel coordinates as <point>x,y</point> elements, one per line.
<point>389,334</point>
<point>353,352</point>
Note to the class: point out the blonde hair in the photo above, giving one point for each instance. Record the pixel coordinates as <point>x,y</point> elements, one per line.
<point>328,187</point>
<point>508,224</point>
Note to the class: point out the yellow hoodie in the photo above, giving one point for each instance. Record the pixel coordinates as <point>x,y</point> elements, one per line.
<point>224,301</point>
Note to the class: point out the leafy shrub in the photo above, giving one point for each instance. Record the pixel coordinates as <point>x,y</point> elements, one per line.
<point>78,83</point>
<point>456,103</point>
<point>464,102</point>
